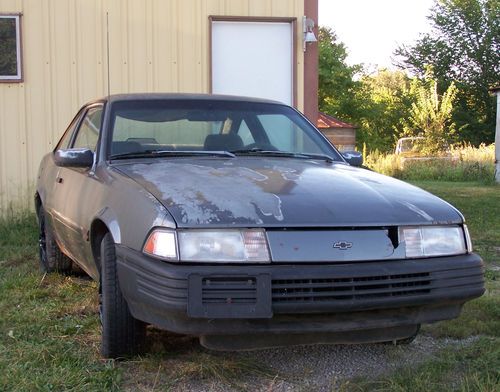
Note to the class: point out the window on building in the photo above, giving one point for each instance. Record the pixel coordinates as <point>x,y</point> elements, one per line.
<point>10,48</point>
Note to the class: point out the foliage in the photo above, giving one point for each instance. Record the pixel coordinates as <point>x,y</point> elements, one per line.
<point>384,100</point>
<point>375,103</point>
<point>463,47</point>
<point>430,116</point>
<point>337,87</point>
<point>467,163</point>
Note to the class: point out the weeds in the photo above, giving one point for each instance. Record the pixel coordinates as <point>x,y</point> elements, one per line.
<point>465,163</point>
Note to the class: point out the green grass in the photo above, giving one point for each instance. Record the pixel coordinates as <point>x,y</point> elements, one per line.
<point>471,368</point>
<point>48,324</point>
<point>49,328</point>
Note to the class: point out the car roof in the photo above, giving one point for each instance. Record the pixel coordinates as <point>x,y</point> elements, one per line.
<point>184,96</point>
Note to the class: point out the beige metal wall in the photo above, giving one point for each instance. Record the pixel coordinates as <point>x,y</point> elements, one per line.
<point>156,45</point>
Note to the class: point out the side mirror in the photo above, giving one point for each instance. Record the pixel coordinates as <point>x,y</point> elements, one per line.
<point>353,158</point>
<point>74,157</point>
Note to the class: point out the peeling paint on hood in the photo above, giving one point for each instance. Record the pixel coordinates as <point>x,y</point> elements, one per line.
<point>281,192</point>
<point>204,194</point>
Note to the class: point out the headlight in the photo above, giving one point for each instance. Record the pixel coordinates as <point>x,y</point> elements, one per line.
<point>223,246</point>
<point>427,241</point>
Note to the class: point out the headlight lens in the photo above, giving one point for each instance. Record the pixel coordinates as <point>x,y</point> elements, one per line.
<point>427,241</point>
<point>223,246</point>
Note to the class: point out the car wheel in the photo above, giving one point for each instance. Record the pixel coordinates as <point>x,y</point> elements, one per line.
<point>52,259</point>
<point>122,334</point>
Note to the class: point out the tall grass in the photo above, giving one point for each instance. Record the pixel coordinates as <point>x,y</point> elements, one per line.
<point>466,163</point>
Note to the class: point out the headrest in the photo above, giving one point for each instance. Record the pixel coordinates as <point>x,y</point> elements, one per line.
<point>223,142</point>
<point>125,147</point>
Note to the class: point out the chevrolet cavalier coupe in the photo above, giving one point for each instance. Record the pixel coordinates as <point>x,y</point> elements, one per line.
<point>235,220</point>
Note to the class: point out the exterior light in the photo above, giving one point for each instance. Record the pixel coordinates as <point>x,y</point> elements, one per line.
<point>307,29</point>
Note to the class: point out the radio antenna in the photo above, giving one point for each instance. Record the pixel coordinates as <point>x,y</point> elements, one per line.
<point>107,52</point>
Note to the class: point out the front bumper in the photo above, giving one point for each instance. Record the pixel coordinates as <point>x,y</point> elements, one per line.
<point>297,299</point>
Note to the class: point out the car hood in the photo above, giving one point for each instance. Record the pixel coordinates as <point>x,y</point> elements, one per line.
<point>283,192</point>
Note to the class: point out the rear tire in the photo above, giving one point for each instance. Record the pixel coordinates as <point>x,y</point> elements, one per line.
<point>122,334</point>
<point>52,259</point>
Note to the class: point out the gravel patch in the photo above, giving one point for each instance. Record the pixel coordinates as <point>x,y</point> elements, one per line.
<point>309,368</point>
<point>323,367</point>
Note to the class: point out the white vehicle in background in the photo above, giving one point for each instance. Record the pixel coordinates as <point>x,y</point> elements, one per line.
<point>409,146</point>
<point>410,149</point>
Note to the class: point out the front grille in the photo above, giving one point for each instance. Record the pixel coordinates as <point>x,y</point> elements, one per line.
<point>334,289</point>
<point>229,290</point>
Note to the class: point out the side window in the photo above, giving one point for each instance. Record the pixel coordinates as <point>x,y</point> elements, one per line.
<point>66,138</point>
<point>89,129</point>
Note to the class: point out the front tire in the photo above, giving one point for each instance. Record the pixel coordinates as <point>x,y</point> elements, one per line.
<point>122,334</point>
<point>51,258</point>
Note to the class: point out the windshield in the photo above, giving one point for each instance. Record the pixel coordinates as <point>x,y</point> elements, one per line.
<point>157,127</point>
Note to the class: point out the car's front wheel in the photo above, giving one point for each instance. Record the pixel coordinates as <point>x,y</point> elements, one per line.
<point>52,259</point>
<point>122,334</point>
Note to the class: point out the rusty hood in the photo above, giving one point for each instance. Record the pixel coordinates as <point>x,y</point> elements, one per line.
<point>283,192</point>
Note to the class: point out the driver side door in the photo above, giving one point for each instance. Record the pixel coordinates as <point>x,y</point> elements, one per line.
<point>75,191</point>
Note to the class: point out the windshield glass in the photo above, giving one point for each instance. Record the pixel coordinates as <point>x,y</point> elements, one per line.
<point>159,126</point>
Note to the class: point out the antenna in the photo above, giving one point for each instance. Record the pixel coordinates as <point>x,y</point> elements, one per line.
<point>107,52</point>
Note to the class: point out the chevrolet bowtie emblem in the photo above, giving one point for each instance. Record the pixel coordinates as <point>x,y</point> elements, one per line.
<point>342,245</point>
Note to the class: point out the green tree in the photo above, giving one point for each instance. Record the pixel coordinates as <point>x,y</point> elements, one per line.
<point>431,115</point>
<point>384,100</point>
<point>337,87</point>
<point>463,47</point>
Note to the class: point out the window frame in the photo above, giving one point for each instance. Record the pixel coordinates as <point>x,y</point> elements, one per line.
<point>19,77</point>
<point>71,129</point>
<point>80,123</point>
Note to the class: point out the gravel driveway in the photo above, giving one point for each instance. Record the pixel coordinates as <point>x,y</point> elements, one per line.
<point>302,368</point>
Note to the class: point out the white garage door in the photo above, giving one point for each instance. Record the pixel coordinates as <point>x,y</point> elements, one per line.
<point>253,59</point>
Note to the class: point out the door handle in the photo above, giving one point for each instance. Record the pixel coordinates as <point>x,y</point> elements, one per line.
<point>59,180</point>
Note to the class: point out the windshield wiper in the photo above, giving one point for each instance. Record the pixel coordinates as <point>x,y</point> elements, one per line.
<point>289,154</point>
<point>170,153</point>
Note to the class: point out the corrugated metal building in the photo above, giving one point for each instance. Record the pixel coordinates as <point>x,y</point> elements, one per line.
<point>155,46</point>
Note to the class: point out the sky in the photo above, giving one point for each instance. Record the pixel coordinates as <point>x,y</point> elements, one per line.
<point>373,29</point>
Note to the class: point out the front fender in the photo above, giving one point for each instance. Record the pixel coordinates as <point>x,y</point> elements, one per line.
<point>128,210</point>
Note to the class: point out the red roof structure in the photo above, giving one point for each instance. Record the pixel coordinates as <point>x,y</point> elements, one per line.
<point>325,121</point>
<point>340,133</point>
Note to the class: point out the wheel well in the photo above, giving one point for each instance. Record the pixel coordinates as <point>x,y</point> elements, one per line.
<point>98,230</point>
